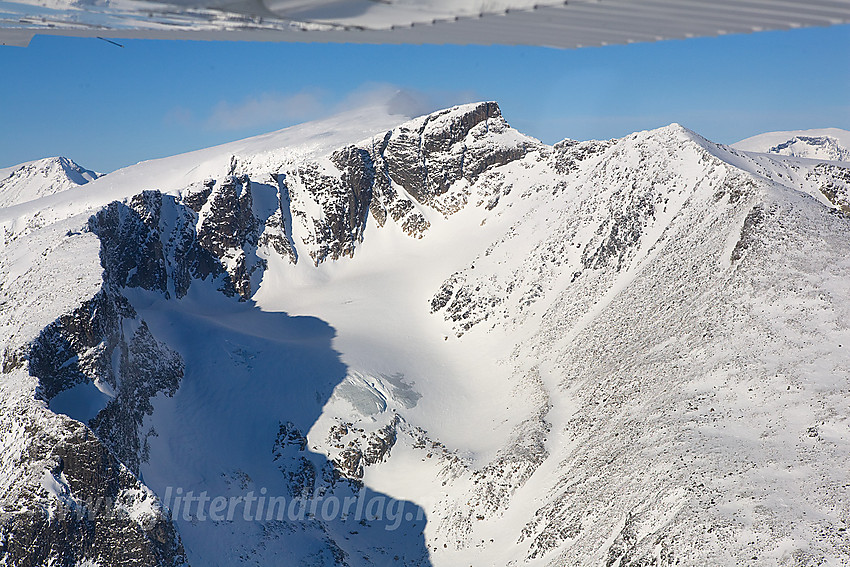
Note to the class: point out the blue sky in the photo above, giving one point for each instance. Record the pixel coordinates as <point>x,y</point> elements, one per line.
<point>107,107</point>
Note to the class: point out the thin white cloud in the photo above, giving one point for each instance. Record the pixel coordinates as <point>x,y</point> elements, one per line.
<point>180,116</point>
<point>266,109</point>
<point>277,110</point>
<point>404,101</point>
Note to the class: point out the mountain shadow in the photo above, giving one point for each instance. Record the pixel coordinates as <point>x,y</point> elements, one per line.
<point>208,400</point>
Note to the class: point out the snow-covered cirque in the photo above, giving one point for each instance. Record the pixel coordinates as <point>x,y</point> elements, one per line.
<point>824,144</point>
<point>624,352</point>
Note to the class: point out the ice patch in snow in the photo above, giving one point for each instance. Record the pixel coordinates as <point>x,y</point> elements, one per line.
<point>82,402</point>
<point>369,394</point>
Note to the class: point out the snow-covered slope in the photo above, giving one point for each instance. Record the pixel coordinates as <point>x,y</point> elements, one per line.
<point>825,144</point>
<point>625,352</point>
<point>35,179</point>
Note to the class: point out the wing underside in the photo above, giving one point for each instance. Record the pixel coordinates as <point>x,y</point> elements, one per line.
<point>577,23</point>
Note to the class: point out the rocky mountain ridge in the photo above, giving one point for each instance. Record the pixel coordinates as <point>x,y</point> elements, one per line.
<point>612,280</point>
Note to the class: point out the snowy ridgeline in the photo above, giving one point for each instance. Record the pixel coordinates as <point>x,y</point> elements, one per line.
<point>35,179</point>
<point>443,342</point>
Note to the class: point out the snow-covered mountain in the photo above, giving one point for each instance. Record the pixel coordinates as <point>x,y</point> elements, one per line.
<point>823,144</point>
<point>34,179</point>
<point>459,345</point>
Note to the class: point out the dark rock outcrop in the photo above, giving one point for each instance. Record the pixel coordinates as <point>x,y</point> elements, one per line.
<point>100,513</point>
<point>428,155</point>
<point>94,344</point>
<point>230,231</point>
<point>138,251</point>
<point>834,182</point>
<point>425,164</point>
<point>343,201</point>
<point>360,450</point>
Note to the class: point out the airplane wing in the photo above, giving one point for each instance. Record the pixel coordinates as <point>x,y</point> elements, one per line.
<point>571,24</point>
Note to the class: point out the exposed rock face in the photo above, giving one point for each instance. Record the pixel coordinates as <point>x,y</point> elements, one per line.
<point>342,202</point>
<point>749,232</point>
<point>359,450</point>
<point>100,512</point>
<point>324,205</point>
<point>426,157</point>
<point>289,453</point>
<point>635,185</point>
<point>230,232</point>
<point>92,345</point>
<point>148,243</point>
<point>426,164</point>
<point>95,508</point>
<point>229,222</point>
<point>619,233</point>
<point>152,243</point>
<point>569,154</point>
<point>834,183</point>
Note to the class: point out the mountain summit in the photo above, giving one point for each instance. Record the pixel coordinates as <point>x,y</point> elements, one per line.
<point>36,179</point>
<point>447,342</point>
<point>824,144</point>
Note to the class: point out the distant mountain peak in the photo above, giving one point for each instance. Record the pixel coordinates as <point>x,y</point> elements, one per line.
<point>829,144</point>
<point>40,178</point>
<point>824,147</point>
